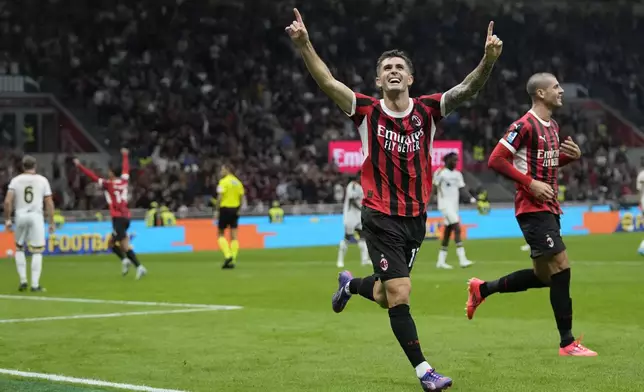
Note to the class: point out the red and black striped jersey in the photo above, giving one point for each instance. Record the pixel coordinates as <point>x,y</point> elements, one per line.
<point>535,146</point>
<point>396,172</point>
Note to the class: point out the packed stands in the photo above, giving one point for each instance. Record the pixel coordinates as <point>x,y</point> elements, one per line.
<point>188,85</point>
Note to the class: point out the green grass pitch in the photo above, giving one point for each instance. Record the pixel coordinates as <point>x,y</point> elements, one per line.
<point>286,337</point>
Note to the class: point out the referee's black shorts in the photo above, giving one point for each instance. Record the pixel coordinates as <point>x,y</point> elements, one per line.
<point>542,231</point>
<point>228,218</point>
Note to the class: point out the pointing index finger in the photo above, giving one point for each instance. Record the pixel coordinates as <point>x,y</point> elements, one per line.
<point>490,29</point>
<point>298,17</point>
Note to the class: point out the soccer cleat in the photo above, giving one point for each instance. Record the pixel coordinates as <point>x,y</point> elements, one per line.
<point>125,266</point>
<point>141,272</point>
<point>341,297</point>
<point>228,264</point>
<point>443,266</point>
<point>474,298</point>
<point>466,263</point>
<point>23,287</point>
<point>576,349</point>
<point>339,264</point>
<point>38,289</point>
<point>433,381</point>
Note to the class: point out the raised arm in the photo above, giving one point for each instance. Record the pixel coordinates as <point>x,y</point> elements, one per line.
<point>87,172</point>
<point>125,164</point>
<point>337,91</point>
<point>475,80</point>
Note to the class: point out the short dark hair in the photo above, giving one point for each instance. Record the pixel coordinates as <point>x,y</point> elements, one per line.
<point>537,82</point>
<point>28,162</point>
<point>449,156</point>
<point>395,53</point>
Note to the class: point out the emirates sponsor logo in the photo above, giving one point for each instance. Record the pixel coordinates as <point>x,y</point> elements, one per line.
<point>346,155</point>
<point>395,141</point>
<point>550,158</point>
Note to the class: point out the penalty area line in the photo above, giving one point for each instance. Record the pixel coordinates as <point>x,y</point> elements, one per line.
<point>104,315</point>
<point>84,381</point>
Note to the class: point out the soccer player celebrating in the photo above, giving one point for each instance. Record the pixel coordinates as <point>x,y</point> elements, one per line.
<point>396,133</point>
<point>116,194</point>
<point>530,154</point>
<point>351,217</point>
<point>449,184</point>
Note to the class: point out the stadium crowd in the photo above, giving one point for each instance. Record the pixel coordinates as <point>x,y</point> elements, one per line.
<point>187,85</point>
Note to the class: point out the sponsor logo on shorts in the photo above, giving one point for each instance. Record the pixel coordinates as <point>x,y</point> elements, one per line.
<point>384,264</point>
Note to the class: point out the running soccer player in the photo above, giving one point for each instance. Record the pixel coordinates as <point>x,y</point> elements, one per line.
<point>530,154</point>
<point>351,217</point>
<point>116,194</point>
<point>397,134</point>
<point>230,195</point>
<point>27,193</point>
<point>449,184</point>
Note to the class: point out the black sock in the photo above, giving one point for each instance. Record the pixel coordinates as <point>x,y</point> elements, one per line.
<point>118,252</point>
<point>130,255</point>
<point>562,305</point>
<point>405,330</point>
<point>515,282</point>
<point>363,286</point>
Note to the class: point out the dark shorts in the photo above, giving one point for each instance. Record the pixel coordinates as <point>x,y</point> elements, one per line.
<point>228,217</point>
<point>542,231</point>
<point>393,242</point>
<point>119,227</point>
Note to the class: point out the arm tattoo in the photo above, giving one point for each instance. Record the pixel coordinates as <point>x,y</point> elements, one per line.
<point>469,86</point>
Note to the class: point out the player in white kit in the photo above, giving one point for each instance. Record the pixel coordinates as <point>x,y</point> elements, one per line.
<point>640,189</point>
<point>352,219</point>
<point>449,182</point>
<point>27,193</point>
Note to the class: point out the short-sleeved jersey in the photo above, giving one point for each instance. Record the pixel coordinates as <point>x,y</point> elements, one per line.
<point>117,195</point>
<point>535,145</point>
<point>396,171</point>
<point>231,191</point>
<point>640,182</point>
<point>448,187</point>
<point>29,191</point>
<point>353,192</point>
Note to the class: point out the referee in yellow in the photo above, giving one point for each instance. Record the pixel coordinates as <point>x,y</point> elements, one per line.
<point>230,194</point>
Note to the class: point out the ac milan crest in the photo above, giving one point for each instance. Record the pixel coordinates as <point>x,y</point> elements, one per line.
<point>416,121</point>
<point>384,264</point>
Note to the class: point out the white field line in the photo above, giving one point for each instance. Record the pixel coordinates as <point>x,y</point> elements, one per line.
<point>103,315</point>
<point>118,302</point>
<point>84,381</point>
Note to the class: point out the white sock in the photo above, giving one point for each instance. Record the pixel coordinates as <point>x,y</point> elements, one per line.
<point>460,252</point>
<point>21,266</point>
<point>36,269</point>
<point>422,369</point>
<point>364,252</point>
<point>342,251</point>
<point>442,256</point>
